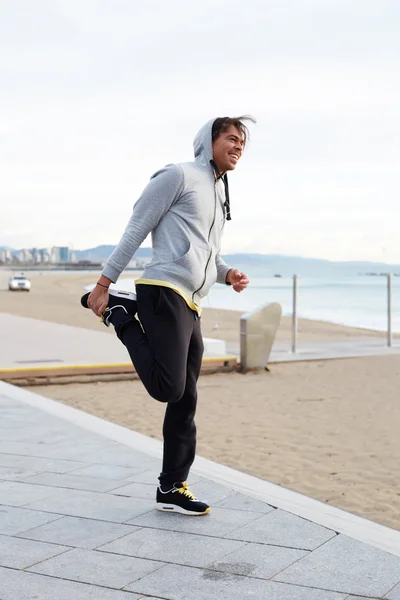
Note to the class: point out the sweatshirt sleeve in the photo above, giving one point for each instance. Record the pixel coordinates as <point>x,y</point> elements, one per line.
<point>222,270</point>
<point>163,190</point>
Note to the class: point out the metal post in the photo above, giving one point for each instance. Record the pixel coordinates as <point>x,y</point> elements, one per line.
<point>389,309</point>
<point>294,315</point>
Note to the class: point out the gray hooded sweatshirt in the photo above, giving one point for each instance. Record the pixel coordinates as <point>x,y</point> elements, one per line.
<point>183,207</point>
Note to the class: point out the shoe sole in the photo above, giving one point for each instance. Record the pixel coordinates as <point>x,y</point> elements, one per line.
<point>182,511</point>
<point>115,293</point>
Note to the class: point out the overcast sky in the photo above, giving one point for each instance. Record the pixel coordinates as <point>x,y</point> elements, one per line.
<point>96,95</point>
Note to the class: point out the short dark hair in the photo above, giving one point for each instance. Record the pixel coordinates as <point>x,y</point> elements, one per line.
<point>221,124</point>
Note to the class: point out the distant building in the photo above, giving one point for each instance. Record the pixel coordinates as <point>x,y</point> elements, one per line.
<point>45,255</point>
<point>55,255</point>
<point>36,256</point>
<point>24,256</point>
<point>5,257</point>
<point>64,254</point>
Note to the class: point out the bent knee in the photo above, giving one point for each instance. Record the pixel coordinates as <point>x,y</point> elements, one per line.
<point>167,393</point>
<point>174,396</point>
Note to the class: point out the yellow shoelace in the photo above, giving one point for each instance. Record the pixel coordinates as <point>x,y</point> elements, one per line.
<point>184,490</point>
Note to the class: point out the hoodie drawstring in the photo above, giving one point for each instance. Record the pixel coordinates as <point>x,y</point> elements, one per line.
<point>225,180</point>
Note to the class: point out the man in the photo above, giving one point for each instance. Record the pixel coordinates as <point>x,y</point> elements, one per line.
<point>184,207</point>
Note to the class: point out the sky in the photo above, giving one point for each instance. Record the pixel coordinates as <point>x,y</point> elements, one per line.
<point>96,95</point>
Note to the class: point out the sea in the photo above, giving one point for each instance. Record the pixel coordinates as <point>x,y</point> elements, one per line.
<point>360,301</point>
<point>356,301</point>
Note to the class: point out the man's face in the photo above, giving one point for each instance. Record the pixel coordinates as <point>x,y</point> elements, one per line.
<point>227,149</point>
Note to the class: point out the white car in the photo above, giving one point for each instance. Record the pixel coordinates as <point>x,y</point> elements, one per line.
<point>19,282</point>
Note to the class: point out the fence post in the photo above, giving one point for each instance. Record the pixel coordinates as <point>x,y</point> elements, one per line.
<point>294,315</point>
<point>389,310</point>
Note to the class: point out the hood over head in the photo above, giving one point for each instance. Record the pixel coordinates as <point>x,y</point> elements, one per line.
<point>202,144</point>
<point>203,155</point>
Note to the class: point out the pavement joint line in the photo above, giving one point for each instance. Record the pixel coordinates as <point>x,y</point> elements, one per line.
<point>39,562</point>
<point>225,537</point>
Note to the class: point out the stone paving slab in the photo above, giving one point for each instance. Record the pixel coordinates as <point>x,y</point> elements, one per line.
<point>344,564</point>
<point>117,454</point>
<point>394,594</point>
<point>172,547</point>
<point>238,501</point>
<point>258,560</point>
<point>67,451</point>
<point>223,522</point>
<point>20,554</point>
<point>135,490</point>
<point>73,482</point>
<point>92,505</point>
<point>39,464</point>
<point>283,529</point>
<point>21,585</point>
<point>77,532</point>
<point>15,473</point>
<point>100,568</point>
<point>18,493</point>
<point>111,544</point>
<point>110,472</point>
<point>18,520</point>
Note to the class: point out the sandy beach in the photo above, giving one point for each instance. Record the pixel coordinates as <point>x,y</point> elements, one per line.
<point>327,429</point>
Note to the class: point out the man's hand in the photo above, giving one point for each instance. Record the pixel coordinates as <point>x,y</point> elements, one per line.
<point>98,300</point>
<point>238,280</point>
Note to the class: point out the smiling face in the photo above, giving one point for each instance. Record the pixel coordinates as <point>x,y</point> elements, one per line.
<point>227,149</point>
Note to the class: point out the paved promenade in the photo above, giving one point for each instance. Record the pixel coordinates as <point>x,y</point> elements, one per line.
<point>77,521</point>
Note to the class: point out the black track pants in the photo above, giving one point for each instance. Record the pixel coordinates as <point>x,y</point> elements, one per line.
<point>167,357</point>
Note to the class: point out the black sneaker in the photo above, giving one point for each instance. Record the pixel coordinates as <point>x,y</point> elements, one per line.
<point>180,499</point>
<point>116,299</point>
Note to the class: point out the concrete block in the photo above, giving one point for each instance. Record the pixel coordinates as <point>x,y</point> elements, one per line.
<point>214,347</point>
<point>257,334</point>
